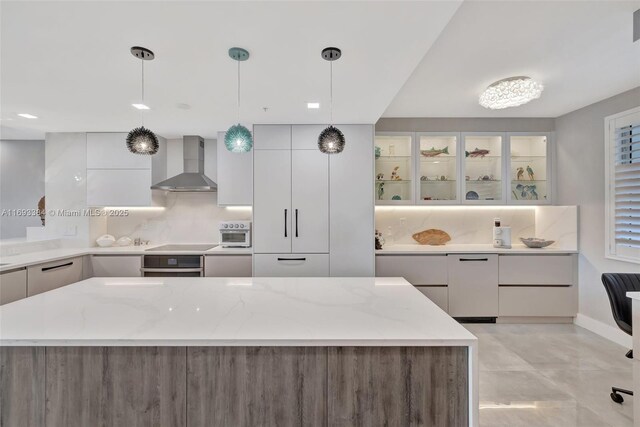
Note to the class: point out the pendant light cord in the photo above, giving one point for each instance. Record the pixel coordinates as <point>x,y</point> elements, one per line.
<point>331,94</point>
<point>238,92</point>
<point>142,90</point>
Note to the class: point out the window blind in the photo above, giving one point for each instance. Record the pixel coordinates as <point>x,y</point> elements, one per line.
<point>626,189</point>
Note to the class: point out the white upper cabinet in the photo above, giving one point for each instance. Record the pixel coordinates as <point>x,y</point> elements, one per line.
<point>474,168</point>
<point>305,137</point>
<point>109,151</point>
<point>272,137</point>
<point>529,167</point>
<point>116,177</point>
<point>482,159</point>
<point>234,176</point>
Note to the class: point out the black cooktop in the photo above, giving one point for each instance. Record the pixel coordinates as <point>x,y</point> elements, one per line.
<point>183,248</point>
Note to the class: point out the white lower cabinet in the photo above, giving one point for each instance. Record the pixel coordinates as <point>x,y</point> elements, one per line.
<point>291,265</point>
<point>116,265</point>
<point>13,286</point>
<point>53,275</point>
<point>227,266</point>
<point>473,285</point>
<point>536,301</point>
<point>417,269</point>
<point>438,294</point>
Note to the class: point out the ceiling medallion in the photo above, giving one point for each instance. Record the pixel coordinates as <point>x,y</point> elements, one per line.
<point>510,92</point>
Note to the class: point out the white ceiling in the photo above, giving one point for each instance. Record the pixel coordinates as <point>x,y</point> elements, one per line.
<point>582,51</point>
<point>69,63</point>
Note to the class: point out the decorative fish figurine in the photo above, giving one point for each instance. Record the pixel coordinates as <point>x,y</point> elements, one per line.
<point>476,153</point>
<point>433,152</point>
<point>520,174</point>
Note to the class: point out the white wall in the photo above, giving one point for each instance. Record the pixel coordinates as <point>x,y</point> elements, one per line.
<point>581,181</point>
<point>21,184</point>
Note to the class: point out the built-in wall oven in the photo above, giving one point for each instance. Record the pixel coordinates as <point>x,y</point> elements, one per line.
<point>172,266</point>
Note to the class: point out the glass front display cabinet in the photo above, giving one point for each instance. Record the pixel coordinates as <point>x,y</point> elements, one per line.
<point>528,168</point>
<point>394,169</point>
<point>437,167</point>
<point>482,169</point>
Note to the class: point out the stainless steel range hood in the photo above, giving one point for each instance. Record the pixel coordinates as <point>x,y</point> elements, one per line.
<point>193,178</point>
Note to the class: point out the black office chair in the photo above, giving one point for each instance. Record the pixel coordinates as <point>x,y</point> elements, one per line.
<point>617,286</point>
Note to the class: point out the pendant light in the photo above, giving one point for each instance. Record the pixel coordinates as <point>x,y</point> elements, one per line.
<point>141,140</point>
<point>331,139</point>
<point>238,139</point>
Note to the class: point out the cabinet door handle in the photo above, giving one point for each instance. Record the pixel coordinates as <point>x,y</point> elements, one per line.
<point>291,259</point>
<point>474,259</point>
<point>296,222</point>
<point>55,267</point>
<point>285,223</point>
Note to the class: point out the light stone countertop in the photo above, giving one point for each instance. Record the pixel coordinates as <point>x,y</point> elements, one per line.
<point>231,312</point>
<point>416,249</point>
<point>49,255</point>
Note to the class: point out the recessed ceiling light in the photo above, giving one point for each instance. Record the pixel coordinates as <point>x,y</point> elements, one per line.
<point>510,92</point>
<point>313,105</point>
<point>141,106</point>
<point>28,116</point>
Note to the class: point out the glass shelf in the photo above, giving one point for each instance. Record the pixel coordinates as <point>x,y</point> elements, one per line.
<point>433,181</point>
<point>395,181</point>
<point>528,153</point>
<point>442,165</point>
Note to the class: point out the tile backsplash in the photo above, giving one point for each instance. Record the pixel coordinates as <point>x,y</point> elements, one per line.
<point>474,225</point>
<point>186,218</point>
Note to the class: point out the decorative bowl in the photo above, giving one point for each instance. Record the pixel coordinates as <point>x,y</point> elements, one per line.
<point>532,242</point>
<point>105,240</point>
<point>124,241</point>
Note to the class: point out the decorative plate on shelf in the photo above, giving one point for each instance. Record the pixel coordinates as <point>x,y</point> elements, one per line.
<point>472,195</point>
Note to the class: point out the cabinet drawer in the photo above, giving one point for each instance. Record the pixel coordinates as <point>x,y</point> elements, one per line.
<point>438,294</point>
<point>417,269</point>
<point>473,285</point>
<point>272,137</point>
<point>227,266</point>
<point>536,269</point>
<point>116,265</point>
<point>13,286</point>
<point>538,301</point>
<point>291,265</point>
<point>52,275</point>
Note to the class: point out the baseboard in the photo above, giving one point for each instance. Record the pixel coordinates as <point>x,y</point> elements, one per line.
<point>532,319</point>
<point>609,332</point>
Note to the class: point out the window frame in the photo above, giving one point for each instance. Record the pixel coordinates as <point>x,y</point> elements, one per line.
<point>610,188</point>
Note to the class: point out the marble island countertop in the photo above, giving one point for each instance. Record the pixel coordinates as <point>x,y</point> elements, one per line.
<point>231,312</point>
<point>413,249</point>
<point>12,262</point>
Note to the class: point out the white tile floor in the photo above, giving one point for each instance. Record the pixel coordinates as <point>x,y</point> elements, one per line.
<point>550,375</point>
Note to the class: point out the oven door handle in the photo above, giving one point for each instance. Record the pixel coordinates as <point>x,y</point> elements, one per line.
<point>171,270</point>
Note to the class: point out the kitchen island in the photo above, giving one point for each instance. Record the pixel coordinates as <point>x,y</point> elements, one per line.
<point>235,352</point>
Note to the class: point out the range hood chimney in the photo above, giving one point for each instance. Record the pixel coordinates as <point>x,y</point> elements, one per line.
<point>193,178</point>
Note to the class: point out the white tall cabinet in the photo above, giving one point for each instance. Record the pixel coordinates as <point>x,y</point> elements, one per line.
<point>312,212</point>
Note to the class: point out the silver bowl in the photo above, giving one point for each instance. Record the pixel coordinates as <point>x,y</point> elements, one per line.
<point>532,242</point>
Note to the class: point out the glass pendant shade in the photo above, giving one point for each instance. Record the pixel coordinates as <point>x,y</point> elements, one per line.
<point>238,139</point>
<point>142,141</point>
<point>331,140</point>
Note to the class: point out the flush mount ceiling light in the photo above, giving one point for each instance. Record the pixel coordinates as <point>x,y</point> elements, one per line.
<point>313,105</point>
<point>28,116</point>
<point>331,139</point>
<point>238,138</point>
<point>141,140</point>
<point>510,92</point>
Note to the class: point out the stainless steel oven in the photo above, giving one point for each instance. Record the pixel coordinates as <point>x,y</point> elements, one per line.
<point>235,234</point>
<point>172,266</point>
